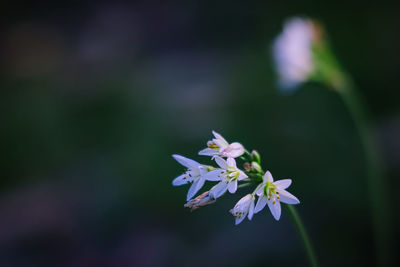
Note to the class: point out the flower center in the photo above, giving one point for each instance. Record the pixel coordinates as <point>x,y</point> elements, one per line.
<point>270,191</point>
<point>191,175</point>
<point>232,173</point>
<point>212,145</point>
<point>238,214</point>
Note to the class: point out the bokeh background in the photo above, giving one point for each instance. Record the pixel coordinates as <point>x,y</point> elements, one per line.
<point>97,95</point>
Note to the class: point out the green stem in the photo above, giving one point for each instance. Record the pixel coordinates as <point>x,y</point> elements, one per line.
<point>375,178</point>
<point>244,185</point>
<point>303,234</point>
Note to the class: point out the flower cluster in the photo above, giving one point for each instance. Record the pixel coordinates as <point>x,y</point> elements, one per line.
<point>228,176</point>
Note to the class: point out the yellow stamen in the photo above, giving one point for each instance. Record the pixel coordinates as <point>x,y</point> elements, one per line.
<point>278,197</point>
<point>273,202</point>
<point>212,145</point>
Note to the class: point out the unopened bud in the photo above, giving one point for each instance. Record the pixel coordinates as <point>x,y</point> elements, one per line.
<point>255,156</point>
<point>247,166</point>
<point>256,166</point>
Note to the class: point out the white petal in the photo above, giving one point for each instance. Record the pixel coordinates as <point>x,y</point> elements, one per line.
<point>233,150</point>
<point>242,201</point>
<point>275,209</point>
<point>214,175</point>
<point>231,162</point>
<point>239,220</point>
<point>242,175</point>
<point>220,141</point>
<point>208,152</point>
<point>251,210</point>
<point>196,186</point>
<point>278,209</point>
<point>268,177</point>
<point>221,162</point>
<point>260,191</point>
<point>188,163</point>
<point>180,180</point>
<point>219,189</point>
<point>287,198</point>
<point>283,184</point>
<point>262,201</point>
<point>232,186</point>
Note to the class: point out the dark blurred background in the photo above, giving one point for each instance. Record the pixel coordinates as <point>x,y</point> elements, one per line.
<point>97,95</point>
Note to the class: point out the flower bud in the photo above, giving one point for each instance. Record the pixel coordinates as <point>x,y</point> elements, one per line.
<point>255,166</point>
<point>255,156</point>
<point>247,166</point>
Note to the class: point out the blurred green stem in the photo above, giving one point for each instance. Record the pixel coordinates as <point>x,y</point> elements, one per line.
<point>303,234</point>
<point>244,185</point>
<point>375,178</point>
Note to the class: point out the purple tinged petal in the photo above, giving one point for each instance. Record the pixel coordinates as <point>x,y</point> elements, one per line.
<point>180,180</point>
<point>287,198</point>
<point>262,201</point>
<point>232,186</point>
<point>188,163</point>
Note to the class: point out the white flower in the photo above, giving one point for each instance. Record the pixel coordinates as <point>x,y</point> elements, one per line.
<point>228,175</point>
<point>292,53</point>
<point>194,174</point>
<point>220,147</point>
<point>244,207</point>
<point>272,193</point>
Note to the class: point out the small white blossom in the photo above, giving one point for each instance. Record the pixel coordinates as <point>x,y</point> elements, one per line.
<point>272,193</point>
<point>228,175</point>
<point>220,147</point>
<point>194,174</point>
<point>244,207</point>
<point>292,53</point>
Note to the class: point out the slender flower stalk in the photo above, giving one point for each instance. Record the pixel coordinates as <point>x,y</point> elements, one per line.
<point>303,54</point>
<point>303,235</point>
<point>381,216</point>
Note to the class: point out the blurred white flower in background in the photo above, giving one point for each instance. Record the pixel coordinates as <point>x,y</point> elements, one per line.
<point>292,52</point>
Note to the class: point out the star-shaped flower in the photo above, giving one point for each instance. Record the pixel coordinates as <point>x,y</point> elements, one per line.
<point>228,175</point>
<point>244,207</point>
<point>220,147</point>
<point>272,193</point>
<point>194,174</point>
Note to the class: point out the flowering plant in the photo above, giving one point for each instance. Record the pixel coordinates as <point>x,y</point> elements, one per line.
<point>228,176</point>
